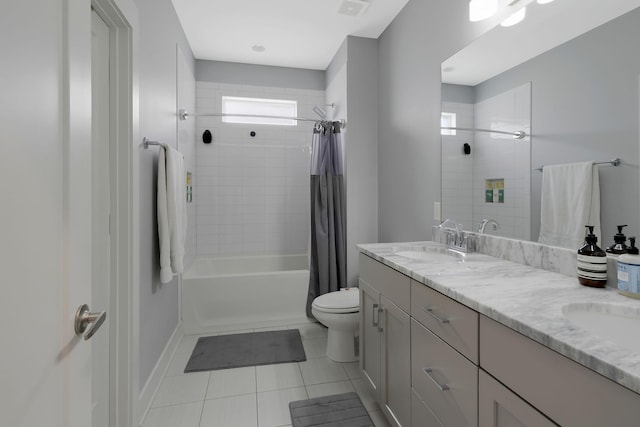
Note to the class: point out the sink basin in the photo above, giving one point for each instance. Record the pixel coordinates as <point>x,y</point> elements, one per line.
<point>432,253</point>
<point>618,324</point>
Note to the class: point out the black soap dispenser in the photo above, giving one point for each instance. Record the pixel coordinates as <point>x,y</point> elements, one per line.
<point>632,250</point>
<point>592,262</point>
<point>619,247</point>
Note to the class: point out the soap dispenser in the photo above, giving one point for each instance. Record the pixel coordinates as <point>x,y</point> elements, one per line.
<point>619,247</point>
<point>592,262</point>
<point>629,271</point>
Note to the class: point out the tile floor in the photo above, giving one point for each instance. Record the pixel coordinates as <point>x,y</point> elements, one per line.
<point>256,396</point>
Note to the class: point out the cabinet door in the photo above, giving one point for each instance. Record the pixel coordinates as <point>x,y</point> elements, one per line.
<point>395,396</point>
<point>370,335</point>
<point>500,407</point>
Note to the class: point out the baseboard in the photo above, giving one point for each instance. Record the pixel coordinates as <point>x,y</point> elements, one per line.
<point>150,388</point>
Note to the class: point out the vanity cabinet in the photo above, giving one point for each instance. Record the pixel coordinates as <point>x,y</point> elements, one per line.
<point>385,337</point>
<point>500,407</point>
<point>565,391</point>
<point>444,354</point>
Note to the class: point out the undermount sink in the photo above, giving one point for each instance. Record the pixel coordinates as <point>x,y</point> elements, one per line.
<point>618,324</point>
<point>432,253</point>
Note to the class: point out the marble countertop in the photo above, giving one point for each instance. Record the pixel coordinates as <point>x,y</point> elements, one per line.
<point>526,299</point>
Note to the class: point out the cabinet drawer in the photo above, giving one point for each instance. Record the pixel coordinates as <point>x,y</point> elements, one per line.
<point>421,415</point>
<point>443,379</point>
<point>393,285</point>
<point>565,391</point>
<point>448,319</point>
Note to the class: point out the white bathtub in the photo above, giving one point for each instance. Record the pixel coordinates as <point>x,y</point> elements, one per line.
<point>252,291</point>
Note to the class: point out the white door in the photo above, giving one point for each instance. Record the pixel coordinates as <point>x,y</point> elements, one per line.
<point>45,212</point>
<point>101,214</point>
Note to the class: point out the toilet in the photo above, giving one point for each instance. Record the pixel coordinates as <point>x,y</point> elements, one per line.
<point>339,311</point>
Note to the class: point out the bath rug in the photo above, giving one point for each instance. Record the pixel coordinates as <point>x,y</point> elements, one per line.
<point>339,410</point>
<point>247,349</point>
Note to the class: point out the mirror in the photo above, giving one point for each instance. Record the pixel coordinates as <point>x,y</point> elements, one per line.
<point>568,76</point>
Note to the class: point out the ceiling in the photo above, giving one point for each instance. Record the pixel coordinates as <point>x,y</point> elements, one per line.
<point>545,27</point>
<point>294,33</point>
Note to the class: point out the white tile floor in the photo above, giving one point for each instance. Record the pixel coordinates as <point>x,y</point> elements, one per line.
<point>256,396</point>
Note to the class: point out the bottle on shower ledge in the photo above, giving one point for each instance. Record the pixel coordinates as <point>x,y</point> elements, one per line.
<point>592,262</point>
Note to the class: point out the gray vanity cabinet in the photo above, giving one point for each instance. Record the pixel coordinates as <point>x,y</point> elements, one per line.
<point>500,407</point>
<point>385,338</point>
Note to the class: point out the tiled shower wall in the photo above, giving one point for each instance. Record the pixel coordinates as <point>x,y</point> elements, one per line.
<point>252,193</point>
<point>457,167</point>
<point>499,156</point>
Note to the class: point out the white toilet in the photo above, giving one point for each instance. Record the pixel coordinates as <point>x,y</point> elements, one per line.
<point>339,311</point>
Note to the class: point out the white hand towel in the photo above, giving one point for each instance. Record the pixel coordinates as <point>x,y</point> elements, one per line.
<point>570,200</point>
<point>172,212</point>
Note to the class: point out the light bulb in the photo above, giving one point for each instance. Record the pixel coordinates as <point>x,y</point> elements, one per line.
<point>544,1</point>
<point>515,18</point>
<point>482,9</point>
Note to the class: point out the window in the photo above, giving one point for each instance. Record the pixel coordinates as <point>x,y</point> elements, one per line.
<point>448,120</point>
<point>259,107</point>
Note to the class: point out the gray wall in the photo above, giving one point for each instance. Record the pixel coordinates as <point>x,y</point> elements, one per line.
<point>159,32</point>
<point>259,75</point>
<point>361,149</point>
<point>585,107</point>
<point>409,55</point>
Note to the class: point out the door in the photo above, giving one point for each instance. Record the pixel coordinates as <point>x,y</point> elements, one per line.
<point>45,213</point>
<point>370,335</point>
<point>101,214</point>
<point>395,399</point>
<point>499,407</point>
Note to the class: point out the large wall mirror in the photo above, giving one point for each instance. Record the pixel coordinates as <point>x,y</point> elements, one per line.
<point>568,76</point>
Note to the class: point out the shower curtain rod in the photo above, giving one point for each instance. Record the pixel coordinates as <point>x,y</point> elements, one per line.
<point>519,134</point>
<point>183,114</point>
<point>615,162</point>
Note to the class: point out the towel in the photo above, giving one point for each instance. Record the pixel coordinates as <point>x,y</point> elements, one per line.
<point>172,212</point>
<point>570,200</point>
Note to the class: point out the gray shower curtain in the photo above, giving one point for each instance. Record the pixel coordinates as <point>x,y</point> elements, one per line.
<point>328,262</point>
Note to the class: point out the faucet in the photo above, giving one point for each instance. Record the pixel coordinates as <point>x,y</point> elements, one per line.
<point>486,222</point>
<point>452,224</point>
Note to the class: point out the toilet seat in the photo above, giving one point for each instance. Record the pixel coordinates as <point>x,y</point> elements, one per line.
<point>344,301</point>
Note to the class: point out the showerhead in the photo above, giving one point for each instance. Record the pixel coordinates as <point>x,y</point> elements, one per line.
<point>320,112</point>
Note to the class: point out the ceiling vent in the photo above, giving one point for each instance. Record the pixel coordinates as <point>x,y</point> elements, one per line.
<point>353,8</point>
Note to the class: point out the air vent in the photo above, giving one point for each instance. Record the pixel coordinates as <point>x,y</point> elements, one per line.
<point>353,7</point>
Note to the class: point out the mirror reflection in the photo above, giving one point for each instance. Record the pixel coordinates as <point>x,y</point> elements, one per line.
<point>573,89</point>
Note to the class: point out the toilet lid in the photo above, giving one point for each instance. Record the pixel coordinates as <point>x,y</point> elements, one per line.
<point>344,301</point>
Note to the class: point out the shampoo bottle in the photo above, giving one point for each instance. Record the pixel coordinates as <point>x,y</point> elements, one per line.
<point>592,262</point>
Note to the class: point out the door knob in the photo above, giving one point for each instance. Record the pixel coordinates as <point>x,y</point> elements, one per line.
<point>84,318</point>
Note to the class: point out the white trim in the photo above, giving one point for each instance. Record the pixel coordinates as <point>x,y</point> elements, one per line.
<point>122,18</point>
<point>152,385</point>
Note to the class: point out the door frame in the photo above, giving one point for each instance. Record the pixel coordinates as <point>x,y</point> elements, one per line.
<point>121,16</point>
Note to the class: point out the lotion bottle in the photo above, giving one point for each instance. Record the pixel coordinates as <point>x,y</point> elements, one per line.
<point>592,262</point>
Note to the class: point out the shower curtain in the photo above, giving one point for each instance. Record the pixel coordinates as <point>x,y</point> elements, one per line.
<point>328,263</point>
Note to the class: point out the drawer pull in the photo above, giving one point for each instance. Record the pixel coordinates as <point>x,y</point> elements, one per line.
<point>374,322</point>
<point>380,312</point>
<point>428,372</point>
<point>430,312</point>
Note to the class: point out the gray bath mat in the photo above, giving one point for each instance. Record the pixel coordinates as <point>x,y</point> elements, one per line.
<point>249,349</point>
<point>340,410</point>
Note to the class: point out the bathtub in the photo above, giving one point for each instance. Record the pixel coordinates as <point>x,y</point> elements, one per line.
<point>245,291</point>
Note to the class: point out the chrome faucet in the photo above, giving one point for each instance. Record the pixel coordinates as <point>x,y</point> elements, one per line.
<point>454,225</point>
<point>486,222</point>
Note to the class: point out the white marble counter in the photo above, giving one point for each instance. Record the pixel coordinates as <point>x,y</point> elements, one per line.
<point>526,299</point>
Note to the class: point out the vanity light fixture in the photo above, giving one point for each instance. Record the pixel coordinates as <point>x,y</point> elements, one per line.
<point>482,9</point>
<point>544,1</point>
<point>515,18</point>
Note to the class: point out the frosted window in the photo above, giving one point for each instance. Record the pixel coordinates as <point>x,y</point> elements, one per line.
<point>259,107</point>
<point>448,120</point>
